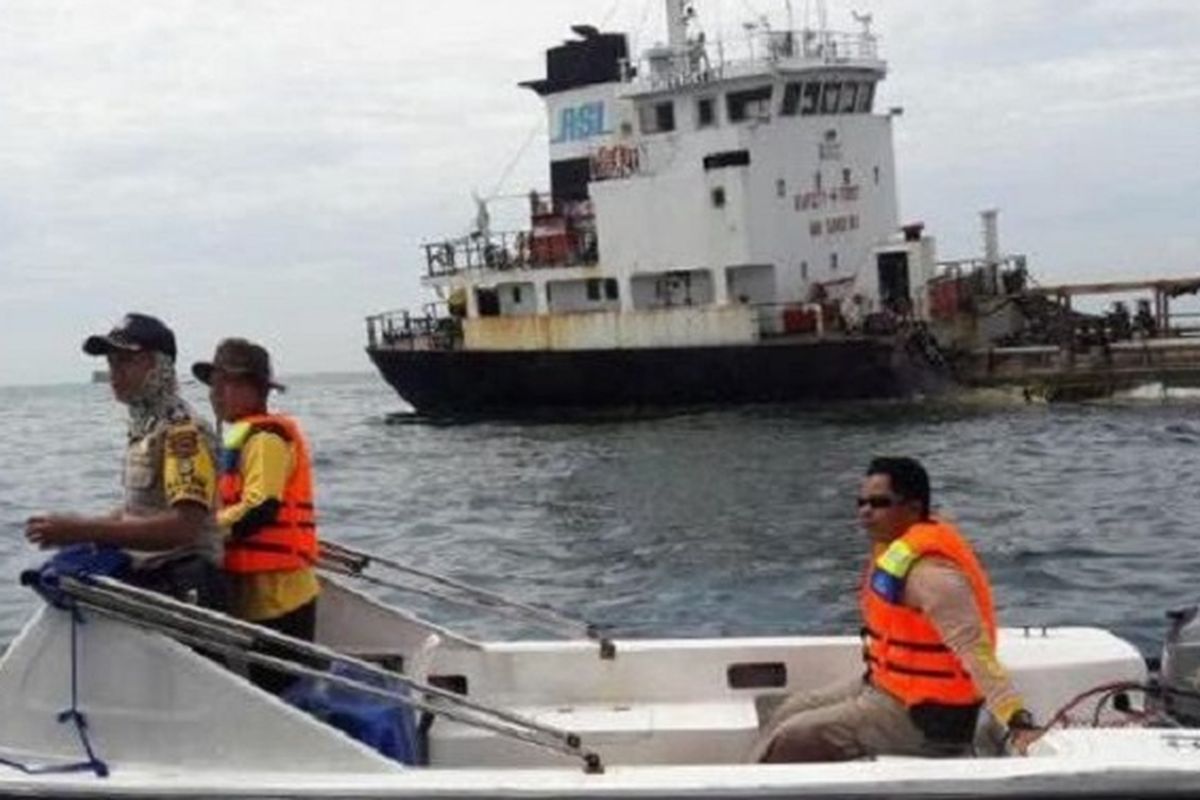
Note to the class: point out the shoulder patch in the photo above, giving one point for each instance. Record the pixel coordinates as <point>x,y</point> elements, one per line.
<point>183,442</point>
<point>897,560</point>
<point>236,435</point>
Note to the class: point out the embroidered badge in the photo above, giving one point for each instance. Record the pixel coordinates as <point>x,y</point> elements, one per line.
<point>183,443</point>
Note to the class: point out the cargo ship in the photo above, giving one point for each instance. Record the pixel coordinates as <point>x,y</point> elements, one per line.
<point>718,229</point>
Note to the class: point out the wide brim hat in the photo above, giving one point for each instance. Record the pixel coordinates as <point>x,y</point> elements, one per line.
<point>241,358</point>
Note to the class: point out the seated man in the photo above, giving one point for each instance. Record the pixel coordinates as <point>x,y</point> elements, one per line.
<point>929,637</point>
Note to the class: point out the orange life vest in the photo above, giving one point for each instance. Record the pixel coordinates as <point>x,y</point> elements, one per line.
<point>289,541</point>
<point>905,654</point>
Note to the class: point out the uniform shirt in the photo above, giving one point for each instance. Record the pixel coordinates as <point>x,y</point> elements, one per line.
<point>943,593</point>
<point>172,463</point>
<point>265,465</point>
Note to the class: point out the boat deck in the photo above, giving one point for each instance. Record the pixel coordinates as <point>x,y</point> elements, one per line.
<point>1064,373</point>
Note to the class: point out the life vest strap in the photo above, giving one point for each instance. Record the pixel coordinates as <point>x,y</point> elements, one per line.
<point>921,673</point>
<point>917,647</point>
<point>268,547</point>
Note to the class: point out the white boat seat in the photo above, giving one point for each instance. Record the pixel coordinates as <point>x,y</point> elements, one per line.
<point>713,732</point>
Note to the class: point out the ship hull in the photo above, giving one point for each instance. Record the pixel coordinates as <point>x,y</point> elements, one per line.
<point>438,382</point>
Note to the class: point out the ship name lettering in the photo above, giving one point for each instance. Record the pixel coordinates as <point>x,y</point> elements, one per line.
<point>842,224</point>
<point>581,122</point>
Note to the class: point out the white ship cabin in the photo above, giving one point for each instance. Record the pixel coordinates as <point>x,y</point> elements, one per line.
<point>695,200</point>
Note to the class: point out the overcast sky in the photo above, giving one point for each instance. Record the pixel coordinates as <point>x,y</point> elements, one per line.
<point>268,169</point>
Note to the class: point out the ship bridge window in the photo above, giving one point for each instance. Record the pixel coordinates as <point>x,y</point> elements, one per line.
<point>658,117</point>
<point>866,98</point>
<point>805,99</point>
<point>849,97</point>
<point>706,112</point>
<point>749,104</point>
<point>811,100</point>
<point>830,96</point>
<point>791,99</point>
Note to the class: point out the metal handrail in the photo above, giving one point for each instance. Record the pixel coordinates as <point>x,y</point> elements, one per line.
<point>509,250</point>
<point>342,560</point>
<point>208,629</point>
<point>764,51</point>
<point>437,331</point>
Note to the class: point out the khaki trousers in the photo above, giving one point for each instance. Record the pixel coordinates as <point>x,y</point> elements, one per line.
<point>840,723</point>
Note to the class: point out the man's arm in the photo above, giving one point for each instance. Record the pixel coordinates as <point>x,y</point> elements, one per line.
<point>266,463</point>
<point>189,483</point>
<point>939,589</point>
<point>179,526</point>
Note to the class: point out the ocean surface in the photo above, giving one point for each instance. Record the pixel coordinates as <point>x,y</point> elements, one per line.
<point>700,523</point>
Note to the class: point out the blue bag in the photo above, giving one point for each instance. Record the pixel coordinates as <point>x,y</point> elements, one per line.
<point>387,726</point>
<point>77,561</point>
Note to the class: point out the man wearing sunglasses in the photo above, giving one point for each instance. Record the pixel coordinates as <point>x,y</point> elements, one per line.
<point>929,644</point>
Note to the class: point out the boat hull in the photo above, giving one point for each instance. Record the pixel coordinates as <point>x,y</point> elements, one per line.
<point>462,381</point>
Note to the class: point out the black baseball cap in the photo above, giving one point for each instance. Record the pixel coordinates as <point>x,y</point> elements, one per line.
<point>133,334</point>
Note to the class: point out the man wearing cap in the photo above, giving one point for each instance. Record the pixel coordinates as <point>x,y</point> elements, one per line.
<point>266,499</point>
<point>166,522</point>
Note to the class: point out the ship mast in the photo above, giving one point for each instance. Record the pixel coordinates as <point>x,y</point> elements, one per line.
<point>679,13</point>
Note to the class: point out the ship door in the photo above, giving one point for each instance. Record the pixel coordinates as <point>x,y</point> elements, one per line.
<point>488,301</point>
<point>893,282</point>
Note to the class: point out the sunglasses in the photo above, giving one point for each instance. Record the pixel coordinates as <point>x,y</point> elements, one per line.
<point>877,501</point>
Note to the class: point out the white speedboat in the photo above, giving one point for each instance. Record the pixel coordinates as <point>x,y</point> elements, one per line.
<point>107,693</point>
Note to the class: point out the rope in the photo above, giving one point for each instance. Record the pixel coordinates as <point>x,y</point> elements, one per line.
<point>72,714</point>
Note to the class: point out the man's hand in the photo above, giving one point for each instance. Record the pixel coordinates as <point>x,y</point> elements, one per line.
<point>55,530</point>
<point>1021,740</point>
<point>1022,732</point>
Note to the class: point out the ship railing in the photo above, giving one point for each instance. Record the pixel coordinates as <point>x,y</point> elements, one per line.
<point>762,51</point>
<point>511,250</point>
<point>404,330</point>
<point>980,277</point>
<point>798,319</point>
<point>830,318</point>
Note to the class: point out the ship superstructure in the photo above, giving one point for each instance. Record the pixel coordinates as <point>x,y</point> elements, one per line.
<point>697,203</point>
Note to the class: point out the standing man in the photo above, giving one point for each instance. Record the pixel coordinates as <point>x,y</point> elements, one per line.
<point>266,493</point>
<point>166,523</point>
<point>929,644</point>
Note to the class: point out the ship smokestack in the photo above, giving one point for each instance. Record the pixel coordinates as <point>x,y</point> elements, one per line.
<point>991,236</point>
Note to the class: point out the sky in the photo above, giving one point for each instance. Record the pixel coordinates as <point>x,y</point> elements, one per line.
<point>269,169</point>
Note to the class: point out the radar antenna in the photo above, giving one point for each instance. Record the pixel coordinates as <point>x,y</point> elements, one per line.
<point>865,20</point>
